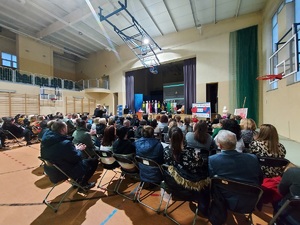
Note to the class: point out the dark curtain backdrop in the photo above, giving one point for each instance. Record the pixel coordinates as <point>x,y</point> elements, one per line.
<point>129,84</point>
<point>247,70</point>
<point>189,74</point>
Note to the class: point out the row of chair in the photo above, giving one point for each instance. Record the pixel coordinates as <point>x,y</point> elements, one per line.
<point>128,167</point>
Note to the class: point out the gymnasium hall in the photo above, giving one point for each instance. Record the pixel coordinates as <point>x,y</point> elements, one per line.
<point>140,61</point>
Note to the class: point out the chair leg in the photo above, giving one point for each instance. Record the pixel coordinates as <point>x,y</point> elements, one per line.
<point>56,207</point>
<point>138,198</point>
<point>117,187</point>
<point>104,186</point>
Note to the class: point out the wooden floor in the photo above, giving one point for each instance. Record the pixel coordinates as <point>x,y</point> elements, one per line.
<point>24,186</point>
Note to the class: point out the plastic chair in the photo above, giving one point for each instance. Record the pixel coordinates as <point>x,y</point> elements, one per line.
<point>128,169</point>
<point>152,164</point>
<point>238,197</point>
<point>109,163</point>
<point>57,176</point>
<point>287,218</point>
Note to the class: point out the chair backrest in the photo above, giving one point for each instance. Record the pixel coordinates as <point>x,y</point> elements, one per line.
<point>9,134</point>
<point>126,161</point>
<point>272,161</point>
<point>288,212</point>
<point>239,197</point>
<point>106,157</point>
<point>149,167</point>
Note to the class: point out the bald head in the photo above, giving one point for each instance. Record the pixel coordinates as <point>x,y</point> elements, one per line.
<point>226,140</point>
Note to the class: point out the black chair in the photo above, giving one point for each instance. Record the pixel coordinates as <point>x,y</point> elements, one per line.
<point>177,193</point>
<point>11,136</point>
<point>272,161</point>
<point>129,169</point>
<point>109,163</point>
<point>57,176</point>
<point>288,214</point>
<point>280,163</point>
<point>151,164</point>
<point>237,197</point>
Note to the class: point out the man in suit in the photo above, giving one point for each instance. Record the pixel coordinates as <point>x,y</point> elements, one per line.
<point>231,164</point>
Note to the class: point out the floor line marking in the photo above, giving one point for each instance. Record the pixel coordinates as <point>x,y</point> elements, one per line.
<point>109,217</point>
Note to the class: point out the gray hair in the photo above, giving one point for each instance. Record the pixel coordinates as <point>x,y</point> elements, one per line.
<point>226,139</point>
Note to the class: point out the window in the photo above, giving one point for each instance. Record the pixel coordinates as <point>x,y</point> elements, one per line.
<point>9,60</point>
<point>274,83</point>
<point>287,13</point>
<point>297,20</point>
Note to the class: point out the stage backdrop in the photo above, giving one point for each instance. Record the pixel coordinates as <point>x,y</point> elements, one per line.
<point>138,100</point>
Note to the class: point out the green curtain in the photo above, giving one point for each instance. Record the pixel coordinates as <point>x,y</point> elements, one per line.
<point>244,75</point>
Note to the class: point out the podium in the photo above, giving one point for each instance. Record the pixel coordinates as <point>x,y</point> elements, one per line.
<point>139,115</point>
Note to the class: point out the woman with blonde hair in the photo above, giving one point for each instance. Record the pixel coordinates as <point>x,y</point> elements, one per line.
<point>248,130</point>
<point>267,144</point>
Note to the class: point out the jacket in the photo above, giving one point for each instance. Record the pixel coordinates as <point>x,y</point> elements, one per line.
<point>150,148</point>
<point>60,150</point>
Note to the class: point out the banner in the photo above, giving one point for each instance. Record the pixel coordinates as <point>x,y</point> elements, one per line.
<point>241,112</point>
<point>201,109</point>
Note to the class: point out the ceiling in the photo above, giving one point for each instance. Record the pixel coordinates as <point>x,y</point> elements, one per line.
<point>74,26</point>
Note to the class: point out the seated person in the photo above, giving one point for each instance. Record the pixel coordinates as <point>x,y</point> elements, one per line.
<point>150,147</point>
<point>267,145</point>
<point>122,145</point>
<point>82,135</point>
<point>71,126</point>
<point>230,164</point>
<point>106,146</point>
<point>200,138</point>
<point>17,130</point>
<point>188,168</point>
<point>289,186</point>
<point>56,147</point>
<point>139,129</point>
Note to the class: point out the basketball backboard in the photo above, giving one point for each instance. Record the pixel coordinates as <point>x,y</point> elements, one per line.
<point>285,60</point>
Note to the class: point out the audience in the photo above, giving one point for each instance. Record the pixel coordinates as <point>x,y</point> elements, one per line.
<point>122,145</point>
<point>106,146</point>
<point>267,144</point>
<point>82,135</point>
<point>200,138</point>
<point>248,130</point>
<point>233,126</point>
<point>231,164</point>
<point>17,130</point>
<point>188,168</point>
<point>186,127</point>
<point>57,147</point>
<point>149,147</point>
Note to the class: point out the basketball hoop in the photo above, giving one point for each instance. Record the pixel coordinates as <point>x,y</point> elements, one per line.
<point>270,77</point>
<point>53,99</point>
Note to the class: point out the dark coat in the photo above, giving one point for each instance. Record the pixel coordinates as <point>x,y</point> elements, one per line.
<point>150,148</point>
<point>60,150</point>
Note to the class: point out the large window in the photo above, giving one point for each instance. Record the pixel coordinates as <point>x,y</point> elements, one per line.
<point>9,60</point>
<point>287,13</point>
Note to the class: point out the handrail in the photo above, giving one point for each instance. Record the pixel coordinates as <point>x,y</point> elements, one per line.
<point>24,77</point>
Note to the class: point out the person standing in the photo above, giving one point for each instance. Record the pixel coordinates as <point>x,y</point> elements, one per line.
<point>99,111</point>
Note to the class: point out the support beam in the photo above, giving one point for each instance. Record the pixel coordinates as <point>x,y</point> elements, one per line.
<point>171,17</point>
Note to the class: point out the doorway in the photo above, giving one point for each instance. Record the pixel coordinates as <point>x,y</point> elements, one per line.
<point>116,101</point>
<point>212,96</point>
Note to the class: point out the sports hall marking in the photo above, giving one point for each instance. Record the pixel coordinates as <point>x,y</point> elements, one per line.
<point>109,217</point>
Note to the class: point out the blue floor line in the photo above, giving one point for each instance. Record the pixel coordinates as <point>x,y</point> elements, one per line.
<point>109,217</point>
